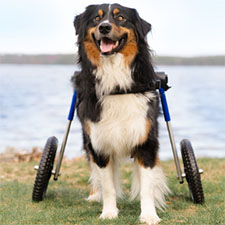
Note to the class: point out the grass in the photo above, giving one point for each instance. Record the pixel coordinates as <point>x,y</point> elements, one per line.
<point>65,201</point>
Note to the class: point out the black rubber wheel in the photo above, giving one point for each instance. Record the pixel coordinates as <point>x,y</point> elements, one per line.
<point>45,169</point>
<point>192,172</point>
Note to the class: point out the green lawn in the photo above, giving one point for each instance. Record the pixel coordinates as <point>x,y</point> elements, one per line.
<point>65,201</point>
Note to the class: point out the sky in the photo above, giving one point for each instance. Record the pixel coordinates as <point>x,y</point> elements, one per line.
<point>179,27</point>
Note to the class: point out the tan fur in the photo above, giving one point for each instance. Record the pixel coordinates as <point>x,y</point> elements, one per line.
<point>144,138</point>
<point>87,127</point>
<point>100,12</point>
<point>116,11</point>
<point>130,49</point>
<point>157,161</point>
<point>91,48</point>
<point>91,191</point>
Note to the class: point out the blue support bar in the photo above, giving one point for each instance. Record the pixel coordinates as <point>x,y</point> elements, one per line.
<point>72,107</point>
<point>164,105</point>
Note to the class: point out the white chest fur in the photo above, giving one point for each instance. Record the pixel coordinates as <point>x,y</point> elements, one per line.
<point>112,73</point>
<point>122,124</point>
<point>123,117</point>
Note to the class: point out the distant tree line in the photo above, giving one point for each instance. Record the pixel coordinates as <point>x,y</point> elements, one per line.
<point>38,59</point>
<point>72,59</point>
<point>203,60</point>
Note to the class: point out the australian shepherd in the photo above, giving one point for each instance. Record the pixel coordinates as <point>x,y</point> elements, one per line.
<point>118,107</point>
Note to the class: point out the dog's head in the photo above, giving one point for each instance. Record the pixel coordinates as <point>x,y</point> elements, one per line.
<point>110,29</point>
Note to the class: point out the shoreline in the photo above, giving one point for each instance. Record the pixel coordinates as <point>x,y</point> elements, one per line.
<point>14,155</point>
<point>72,59</point>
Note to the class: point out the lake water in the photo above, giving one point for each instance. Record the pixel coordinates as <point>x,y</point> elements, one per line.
<point>35,100</point>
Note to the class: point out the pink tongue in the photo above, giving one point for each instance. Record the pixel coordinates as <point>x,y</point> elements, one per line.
<point>106,46</point>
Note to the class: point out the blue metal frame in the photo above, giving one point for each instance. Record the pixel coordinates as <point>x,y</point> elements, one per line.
<point>164,105</point>
<point>166,117</point>
<point>70,118</point>
<point>170,131</point>
<point>162,96</point>
<point>72,107</point>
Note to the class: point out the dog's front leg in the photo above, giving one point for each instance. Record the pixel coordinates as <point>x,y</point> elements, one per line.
<point>110,210</point>
<point>148,211</point>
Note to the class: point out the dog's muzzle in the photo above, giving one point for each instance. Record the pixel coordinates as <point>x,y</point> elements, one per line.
<point>105,39</point>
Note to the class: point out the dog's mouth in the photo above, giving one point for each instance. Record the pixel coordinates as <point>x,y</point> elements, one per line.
<point>108,46</point>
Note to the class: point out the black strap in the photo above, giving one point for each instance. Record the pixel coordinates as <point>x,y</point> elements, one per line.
<point>160,82</point>
<point>134,90</point>
<point>142,89</point>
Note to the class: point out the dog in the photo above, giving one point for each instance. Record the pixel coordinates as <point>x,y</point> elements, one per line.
<point>118,107</point>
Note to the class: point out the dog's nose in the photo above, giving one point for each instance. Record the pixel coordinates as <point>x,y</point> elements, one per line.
<point>105,28</point>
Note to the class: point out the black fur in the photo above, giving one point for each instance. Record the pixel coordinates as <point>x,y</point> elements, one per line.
<point>100,159</point>
<point>143,75</point>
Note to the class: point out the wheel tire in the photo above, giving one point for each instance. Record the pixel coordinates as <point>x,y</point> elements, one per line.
<point>45,169</point>
<point>192,172</point>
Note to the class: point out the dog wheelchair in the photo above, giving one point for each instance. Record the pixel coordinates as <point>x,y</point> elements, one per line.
<point>191,171</point>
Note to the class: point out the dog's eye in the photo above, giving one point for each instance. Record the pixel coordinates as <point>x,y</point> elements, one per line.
<point>119,18</point>
<point>97,18</point>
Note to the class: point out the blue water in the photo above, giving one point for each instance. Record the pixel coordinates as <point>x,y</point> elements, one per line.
<point>35,100</point>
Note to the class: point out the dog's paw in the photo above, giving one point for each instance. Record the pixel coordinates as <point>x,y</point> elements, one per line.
<point>94,197</point>
<point>150,219</point>
<point>109,214</point>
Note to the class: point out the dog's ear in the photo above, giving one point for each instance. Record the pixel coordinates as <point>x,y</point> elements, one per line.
<point>77,23</point>
<point>142,26</point>
<point>145,27</point>
<point>80,21</point>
